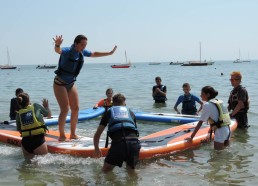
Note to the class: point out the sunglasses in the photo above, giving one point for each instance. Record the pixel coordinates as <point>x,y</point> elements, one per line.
<point>233,79</point>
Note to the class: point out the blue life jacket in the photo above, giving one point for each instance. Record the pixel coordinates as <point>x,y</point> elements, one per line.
<point>188,105</point>
<point>120,119</point>
<point>69,65</point>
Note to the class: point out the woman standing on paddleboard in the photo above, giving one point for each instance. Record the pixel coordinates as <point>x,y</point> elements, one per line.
<point>70,63</point>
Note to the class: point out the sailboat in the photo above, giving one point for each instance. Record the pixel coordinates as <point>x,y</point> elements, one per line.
<point>126,65</point>
<point>198,63</point>
<point>238,60</point>
<point>8,66</point>
<point>247,60</point>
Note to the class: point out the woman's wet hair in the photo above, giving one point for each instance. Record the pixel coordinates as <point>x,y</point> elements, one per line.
<point>23,100</point>
<point>118,99</point>
<point>210,90</point>
<point>79,38</point>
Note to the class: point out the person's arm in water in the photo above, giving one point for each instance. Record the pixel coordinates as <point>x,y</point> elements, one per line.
<point>177,103</point>
<point>97,152</point>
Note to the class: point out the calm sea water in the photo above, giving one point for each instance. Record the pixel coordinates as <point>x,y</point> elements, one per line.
<point>200,166</point>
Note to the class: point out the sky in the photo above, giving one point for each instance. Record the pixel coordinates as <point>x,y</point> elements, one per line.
<point>148,30</point>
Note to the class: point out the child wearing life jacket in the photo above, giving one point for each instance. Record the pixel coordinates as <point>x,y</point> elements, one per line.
<point>159,91</point>
<point>107,102</point>
<point>30,123</point>
<point>188,101</point>
<point>122,129</point>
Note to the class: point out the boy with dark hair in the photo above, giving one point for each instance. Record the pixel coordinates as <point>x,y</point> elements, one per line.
<point>14,106</point>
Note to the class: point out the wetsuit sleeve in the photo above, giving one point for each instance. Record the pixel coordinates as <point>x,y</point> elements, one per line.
<point>153,88</point>
<point>197,99</point>
<point>87,53</point>
<point>40,110</point>
<point>13,108</point>
<point>165,89</point>
<point>18,123</point>
<point>105,118</point>
<point>242,95</point>
<point>179,100</point>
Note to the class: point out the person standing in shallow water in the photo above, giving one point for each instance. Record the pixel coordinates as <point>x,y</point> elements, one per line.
<point>188,101</point>
<point>159,91</point>
<point>70,63</point>
<point>238,102</point>
<point>123,131</point>
<point>214,113</point>
<point>31,125</point>
<point>14,105</point>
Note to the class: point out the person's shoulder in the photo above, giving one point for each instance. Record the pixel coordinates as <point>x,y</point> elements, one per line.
<point>195,97</point>
<point>66,50</point>
<point>36,105</point>
<point>86,53</point>
<point>181,96</point>
<point>242,88</point>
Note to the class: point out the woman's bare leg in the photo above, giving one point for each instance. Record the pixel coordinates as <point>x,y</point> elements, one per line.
<point>41,150</point>
<point>27,155</point>
<point>63,102</point>
<point>74,106</point>
<point>219,146</point>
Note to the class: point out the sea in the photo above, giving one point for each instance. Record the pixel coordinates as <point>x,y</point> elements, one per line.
<point>236,165</point>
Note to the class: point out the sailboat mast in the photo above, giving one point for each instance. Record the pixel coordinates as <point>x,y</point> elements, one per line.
<point>125,57</point>
<point>8,57</point>
<point>200,52</point>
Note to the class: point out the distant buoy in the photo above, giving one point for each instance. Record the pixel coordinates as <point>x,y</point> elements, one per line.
<point>221,74</point>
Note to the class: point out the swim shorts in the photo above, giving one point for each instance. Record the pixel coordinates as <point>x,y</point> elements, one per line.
<point>222,134</point>
<point>30,143</point>
<point>124,150</point>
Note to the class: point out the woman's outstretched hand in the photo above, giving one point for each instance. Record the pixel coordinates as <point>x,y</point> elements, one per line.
<point>58,40</point>
<point>112,51</point>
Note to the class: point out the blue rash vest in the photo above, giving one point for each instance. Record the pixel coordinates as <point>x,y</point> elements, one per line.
<point>70,63</point>
<point>188,103</point>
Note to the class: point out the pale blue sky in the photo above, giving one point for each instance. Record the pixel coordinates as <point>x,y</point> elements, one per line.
<point>164,30</point>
